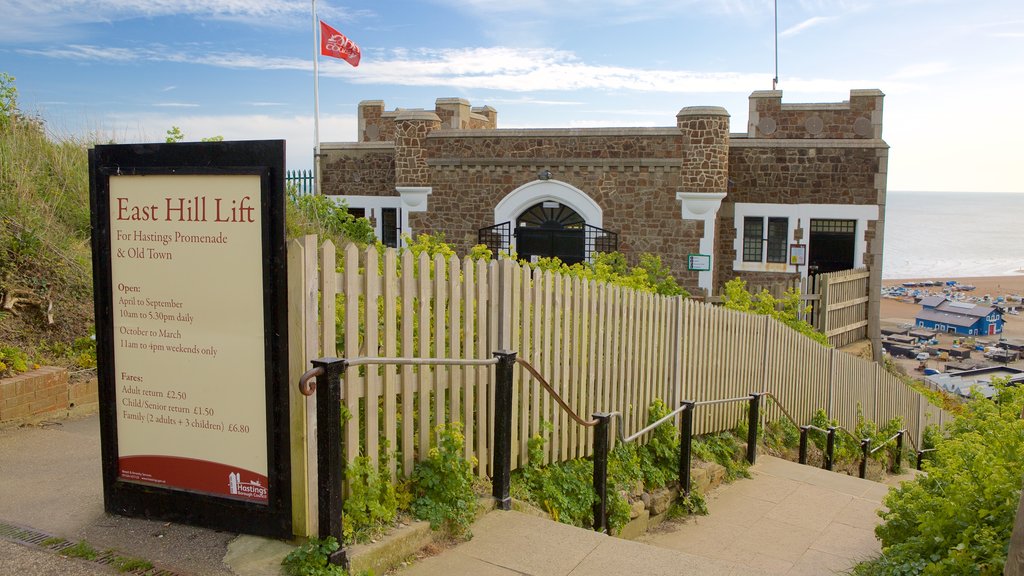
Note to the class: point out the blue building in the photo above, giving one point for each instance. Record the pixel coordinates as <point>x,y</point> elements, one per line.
<point>943,315</point>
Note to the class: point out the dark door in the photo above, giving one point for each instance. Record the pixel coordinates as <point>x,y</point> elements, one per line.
<point>550,229</point>
<point>831,245</point>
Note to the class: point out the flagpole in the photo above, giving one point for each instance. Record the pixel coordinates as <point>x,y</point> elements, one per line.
<point>316,103</point>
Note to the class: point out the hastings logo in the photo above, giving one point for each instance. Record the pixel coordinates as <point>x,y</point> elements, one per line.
<point>251,489</point>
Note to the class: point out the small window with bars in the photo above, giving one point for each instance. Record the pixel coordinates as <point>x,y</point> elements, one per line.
<point>763,243</point>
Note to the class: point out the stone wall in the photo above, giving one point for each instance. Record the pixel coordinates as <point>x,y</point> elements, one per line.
<point>791,173</point>
<point>633,175</point>
<point>44,391</point>
<point>358,169</point>
<point>791,154</point>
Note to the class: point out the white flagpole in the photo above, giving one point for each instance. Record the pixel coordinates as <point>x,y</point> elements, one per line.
<point>316,102</point>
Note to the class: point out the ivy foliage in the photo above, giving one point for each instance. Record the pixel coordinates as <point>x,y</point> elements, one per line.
<point>958,518</point>
<point>787,309</point>
<point>442,484</point>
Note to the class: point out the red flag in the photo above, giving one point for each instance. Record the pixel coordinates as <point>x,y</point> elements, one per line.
<point>336,45</point>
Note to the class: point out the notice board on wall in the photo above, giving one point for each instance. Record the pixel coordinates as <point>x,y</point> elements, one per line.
<point>189,271</point>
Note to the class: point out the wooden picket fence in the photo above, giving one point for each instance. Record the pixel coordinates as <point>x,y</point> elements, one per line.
<point>603,348</point>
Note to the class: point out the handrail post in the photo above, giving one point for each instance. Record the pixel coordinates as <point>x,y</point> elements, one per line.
<point>803,444</point>
<point>899,451</point>
<point>330,462</point>
<point>685,447</point>
<point>920,456</point>
<point>601,471</point>
<point>830,448</point>
<point>755,418</point>
<point>865,449</point>
<point>502,453</point>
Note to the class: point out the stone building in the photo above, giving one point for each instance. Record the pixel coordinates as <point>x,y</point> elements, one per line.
<point>802,182</point>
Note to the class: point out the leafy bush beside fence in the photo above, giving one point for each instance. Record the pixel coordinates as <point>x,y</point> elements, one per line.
<point>958,518</point>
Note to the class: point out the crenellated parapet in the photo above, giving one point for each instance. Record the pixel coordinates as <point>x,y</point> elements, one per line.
<point>378,125</point>
<point>859,117</point>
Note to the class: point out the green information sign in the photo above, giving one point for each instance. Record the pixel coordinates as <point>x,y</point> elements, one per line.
<point>698,262</point>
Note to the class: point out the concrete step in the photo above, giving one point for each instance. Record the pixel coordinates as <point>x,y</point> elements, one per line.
<point>788,519</point>
<point>512,543</point>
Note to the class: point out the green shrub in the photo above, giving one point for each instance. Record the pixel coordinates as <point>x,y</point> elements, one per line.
<point>372,502</point>
<point>722,448</point>
<point>319,214</point>
<point>651,275</point>
<point>787,309</point>
<point>13,361</point>
<point>442,484</point>
<point>659,457</point>
<point>957,519</point>
<point>312,559</point>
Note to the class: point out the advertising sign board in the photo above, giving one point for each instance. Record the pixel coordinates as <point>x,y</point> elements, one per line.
<point>191,325</point>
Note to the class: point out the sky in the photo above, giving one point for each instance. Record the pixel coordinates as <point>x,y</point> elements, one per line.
<point>129,70</point>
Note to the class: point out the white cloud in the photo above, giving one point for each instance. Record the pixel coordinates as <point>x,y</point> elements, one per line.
<point>31,21</point>
<point>922,70</point>
<point>805,25</point>
<point>497,68</point>
<point>296,130</point>
<point>175,105</point>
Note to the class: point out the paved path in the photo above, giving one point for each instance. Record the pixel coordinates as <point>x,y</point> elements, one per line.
<point>788,520</point>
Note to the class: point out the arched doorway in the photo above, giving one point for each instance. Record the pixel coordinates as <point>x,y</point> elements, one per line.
<point>551,229</point>
<point>547,218</point>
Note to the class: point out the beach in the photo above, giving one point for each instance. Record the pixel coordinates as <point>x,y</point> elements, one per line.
<point>894,311</point>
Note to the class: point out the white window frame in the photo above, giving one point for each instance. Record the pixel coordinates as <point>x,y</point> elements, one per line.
<point>802,213</point>
<point>411,199</point>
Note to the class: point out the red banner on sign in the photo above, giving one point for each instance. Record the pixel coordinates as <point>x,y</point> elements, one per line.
<point>196,475</point>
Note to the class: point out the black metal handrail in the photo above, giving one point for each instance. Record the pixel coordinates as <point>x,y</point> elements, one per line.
<point>324,380</point>
<point>558,398</point>
<point>600,423</point>
<point>918,451</point>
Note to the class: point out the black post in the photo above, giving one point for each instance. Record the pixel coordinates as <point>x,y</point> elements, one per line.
<point>830,448</point>
<point>330,462</point>
<point>685,447</point>
<point>755,418</point>
<point>803,444</point>
<point>920,456</point>
<point>601,471</point>
<point>899,451</point>
<point>502,454</point>
<point>865,447</point>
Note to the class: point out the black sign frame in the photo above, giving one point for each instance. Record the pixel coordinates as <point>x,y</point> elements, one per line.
<point>259,157</point>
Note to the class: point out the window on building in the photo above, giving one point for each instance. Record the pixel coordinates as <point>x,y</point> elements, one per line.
<point>761,247</point>
<point>389,229</point>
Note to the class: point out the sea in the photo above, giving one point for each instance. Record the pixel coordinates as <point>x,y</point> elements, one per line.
<point>940,234</point>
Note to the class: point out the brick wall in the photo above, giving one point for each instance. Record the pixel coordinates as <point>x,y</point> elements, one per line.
<point>42,392</point>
